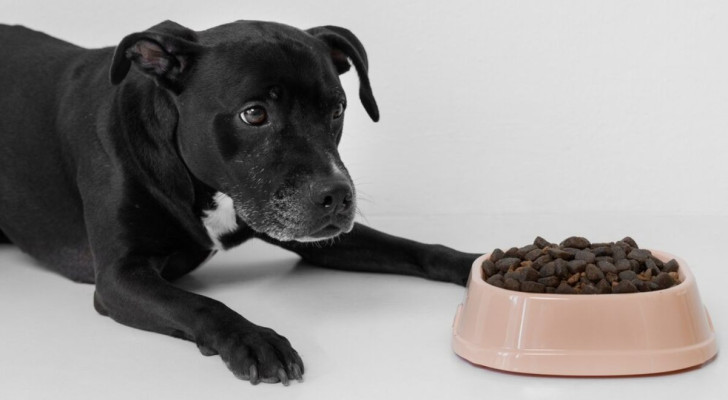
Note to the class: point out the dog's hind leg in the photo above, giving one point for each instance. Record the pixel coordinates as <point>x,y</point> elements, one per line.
<point>4,239</point>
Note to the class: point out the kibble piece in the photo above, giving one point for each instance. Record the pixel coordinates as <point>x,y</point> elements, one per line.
<point>589,289</point>
<point>529,274</point>
<point>627,275</point>
<point>585,255</point>
<point>541,242</point>
<point>561,268</point>
<point>512,252</point>
<point>663,280</point>
<point>577,266</point>
<point>511,284</point>
<point>521,253</point>
<point>670,266</point>
<point>602,251</point>
<point>604,286</point>
<point>517,275</point>
<point>541,261</point>
<point>606,266</point>
<point>496,280</point>
<point>573,279</point>
<point>639,255</point>
<point>593,273</point>
<point>496,255</point>
<point>622,265</point>
<point>657,261</point>
<point>639,284</point>
<point>532,287</point>
<point>650,265</point>
<point>624,287</point>
<point>675,276</point>
<point>565,288</point>
<point>635,265</point>
<point>549,289</point>
<point>611,277</point>
<point>551,281</point>
<point>533,254</point>
<point>548,270</point>
<point>618,253</point>
<point>504,264</point>
<point>489,268</point>
<point>630,242</point>
<point>558,253</point>
<point>576,242</point>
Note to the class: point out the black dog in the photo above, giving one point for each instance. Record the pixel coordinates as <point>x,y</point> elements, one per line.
<point>213,138</point>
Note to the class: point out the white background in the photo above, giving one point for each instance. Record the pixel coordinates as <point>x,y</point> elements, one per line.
<point>500,121</point>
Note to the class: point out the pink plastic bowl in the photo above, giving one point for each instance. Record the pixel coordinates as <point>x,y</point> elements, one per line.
<point>586,335</point>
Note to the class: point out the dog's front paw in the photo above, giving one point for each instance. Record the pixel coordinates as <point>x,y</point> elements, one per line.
<point>259,354</point>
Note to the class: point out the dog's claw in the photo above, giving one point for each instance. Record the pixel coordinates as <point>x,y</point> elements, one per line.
<point>297,374</point>
<point>254,375</point>
<point>283,376</point>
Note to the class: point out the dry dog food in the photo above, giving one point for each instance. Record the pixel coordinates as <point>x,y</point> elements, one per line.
<point>577,266</point>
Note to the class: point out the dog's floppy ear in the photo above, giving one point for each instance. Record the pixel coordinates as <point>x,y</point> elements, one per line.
<point>344,45</point>
<point>165,52</point>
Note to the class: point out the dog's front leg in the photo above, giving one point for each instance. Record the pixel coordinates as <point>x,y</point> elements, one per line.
<point>368,250</point>
<point>133,293</point>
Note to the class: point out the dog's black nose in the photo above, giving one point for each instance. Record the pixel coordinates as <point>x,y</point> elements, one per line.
<point>332,196</point>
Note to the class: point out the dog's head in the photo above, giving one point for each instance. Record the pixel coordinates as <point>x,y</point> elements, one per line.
<point>260,115</point>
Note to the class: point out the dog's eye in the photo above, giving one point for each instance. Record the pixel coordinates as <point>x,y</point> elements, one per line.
<point>255,115</point>
<point>339,110</point>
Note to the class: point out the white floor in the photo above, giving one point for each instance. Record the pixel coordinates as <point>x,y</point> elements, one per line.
<point>361,335</point>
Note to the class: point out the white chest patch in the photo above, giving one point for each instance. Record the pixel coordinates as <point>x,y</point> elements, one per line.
<point>220,219</point>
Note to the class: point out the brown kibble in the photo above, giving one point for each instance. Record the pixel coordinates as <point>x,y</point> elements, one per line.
<point>548,270</point>
<point>496,280</point>
<point>551,281</point>
<point>670,266</point>
<point>576,242</point>
<point>663,280</point>
<point>511,284</point>
<point>589,289</point>
<point>565,288</point>
<point>625,287</point>
<point>532,287</point>
<point>506,263</point>
<point>639,255</point>
<point>576,266</point>
<point>630,242</point>
<point>529,274</point>
<point>521,253</point>
<point>585,255</point>
<point>541,261</point>
<point>541,242</point>
<point>604,287</point>
<point>593,273</point>
<point>489,268</point>
<point>496,255</point>
<point>618,253</point>
<point>561,268</point>
<point>606,266</point>
<point>622,265</point>
<point>558,253</point>
<point>533,254</point>
<point>627,275</point>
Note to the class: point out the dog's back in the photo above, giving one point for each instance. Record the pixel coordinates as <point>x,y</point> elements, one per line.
<point>40,77</point>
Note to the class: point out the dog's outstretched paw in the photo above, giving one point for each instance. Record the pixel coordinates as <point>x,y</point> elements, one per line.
<point>261,355</point>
